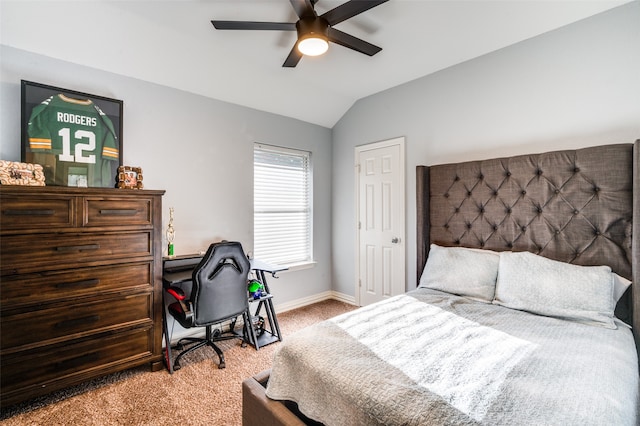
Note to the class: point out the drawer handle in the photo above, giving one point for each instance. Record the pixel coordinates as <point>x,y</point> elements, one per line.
<point>78,248</point>
<point>77,321</point>
<point>77,361</point>
<point>84,283</point>
<point>118,212</point>
<point>41,212</point>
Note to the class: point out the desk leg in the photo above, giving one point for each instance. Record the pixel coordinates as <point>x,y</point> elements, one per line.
<point>263,280</point>
<point>168,358</point>
<point>273,320</point>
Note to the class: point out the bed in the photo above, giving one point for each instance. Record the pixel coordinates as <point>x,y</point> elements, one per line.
<point>524,313</point>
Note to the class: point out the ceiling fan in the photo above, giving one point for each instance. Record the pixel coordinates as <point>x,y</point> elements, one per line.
<point>314,31</point>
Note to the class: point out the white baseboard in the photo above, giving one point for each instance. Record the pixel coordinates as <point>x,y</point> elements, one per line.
<point>299,303</point>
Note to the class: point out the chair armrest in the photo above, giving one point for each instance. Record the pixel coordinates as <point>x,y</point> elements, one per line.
<point>176,292</point>
<point>181,309</point>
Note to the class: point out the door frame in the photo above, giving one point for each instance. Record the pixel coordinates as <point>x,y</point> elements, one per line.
<point>400,141</point>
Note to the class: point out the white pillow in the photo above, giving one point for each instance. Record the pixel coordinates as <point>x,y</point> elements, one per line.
<point>462,271</point>
<point>547,287</point>
<point>620,285</point>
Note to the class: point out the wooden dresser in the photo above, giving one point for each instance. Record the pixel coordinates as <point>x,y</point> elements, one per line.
<point>80,289</point>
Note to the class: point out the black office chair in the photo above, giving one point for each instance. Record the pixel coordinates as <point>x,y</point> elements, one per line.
<point>218,294</point>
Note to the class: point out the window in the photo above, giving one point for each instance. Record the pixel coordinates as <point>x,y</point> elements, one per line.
<point>281,205</point>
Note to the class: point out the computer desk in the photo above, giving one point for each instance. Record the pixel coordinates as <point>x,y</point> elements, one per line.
<point>179,269</point>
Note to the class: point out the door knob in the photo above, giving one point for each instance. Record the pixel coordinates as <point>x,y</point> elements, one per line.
<point>395,240</point>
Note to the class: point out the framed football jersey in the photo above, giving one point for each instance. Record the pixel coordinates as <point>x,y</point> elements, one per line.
<point>75,136</point>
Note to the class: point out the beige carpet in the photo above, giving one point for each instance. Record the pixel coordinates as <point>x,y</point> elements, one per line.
<point>198,394</point>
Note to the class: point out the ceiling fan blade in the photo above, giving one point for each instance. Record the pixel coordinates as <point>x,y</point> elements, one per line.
<point>293,58</point>
<point>349,9</point>
<point>303,8</point>
<point>346,40</point>
<point>249,25</point>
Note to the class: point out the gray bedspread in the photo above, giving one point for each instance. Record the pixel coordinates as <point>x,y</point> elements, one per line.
<point>431,358</point>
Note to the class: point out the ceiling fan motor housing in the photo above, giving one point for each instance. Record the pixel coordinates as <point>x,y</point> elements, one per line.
<point>308,27</point>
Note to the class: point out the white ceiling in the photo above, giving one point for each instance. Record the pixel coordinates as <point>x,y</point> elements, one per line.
<point>173,43</point>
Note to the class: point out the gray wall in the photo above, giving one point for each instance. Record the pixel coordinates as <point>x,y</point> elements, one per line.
<point>198,149</point>
<point>574,87</point>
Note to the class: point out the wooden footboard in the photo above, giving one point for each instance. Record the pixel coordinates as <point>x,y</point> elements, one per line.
<point>259,410</point>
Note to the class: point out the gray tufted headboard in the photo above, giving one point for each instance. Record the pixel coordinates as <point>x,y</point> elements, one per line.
<point>578,206</point>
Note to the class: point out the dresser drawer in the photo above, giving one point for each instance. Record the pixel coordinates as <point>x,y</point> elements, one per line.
<point>35,371</point>
<point>35,253</point>
<point>69,321</point>
<point>114,211</point>
<point>17,291</point>
<point>28,212</point>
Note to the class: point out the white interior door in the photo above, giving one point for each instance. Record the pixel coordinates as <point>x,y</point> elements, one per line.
<point>381,220</point>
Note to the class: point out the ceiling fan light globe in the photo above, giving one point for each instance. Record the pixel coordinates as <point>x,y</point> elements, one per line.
<point>313,46</point>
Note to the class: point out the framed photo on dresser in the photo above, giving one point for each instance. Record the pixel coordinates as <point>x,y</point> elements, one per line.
<point>75,136</point>
<point>130,177</point>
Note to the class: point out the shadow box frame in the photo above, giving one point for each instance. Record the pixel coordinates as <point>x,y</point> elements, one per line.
<point>130,177</point>
<point>63,172</point>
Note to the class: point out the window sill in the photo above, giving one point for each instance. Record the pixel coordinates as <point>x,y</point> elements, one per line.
<point>299,266</point>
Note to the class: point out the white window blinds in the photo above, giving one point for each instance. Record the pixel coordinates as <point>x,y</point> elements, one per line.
<point>281,205</point>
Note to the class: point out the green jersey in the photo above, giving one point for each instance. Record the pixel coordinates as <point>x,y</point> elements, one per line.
<point>77,132</point>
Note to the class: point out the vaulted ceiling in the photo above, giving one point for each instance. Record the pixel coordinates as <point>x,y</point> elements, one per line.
<point>173,43</point>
